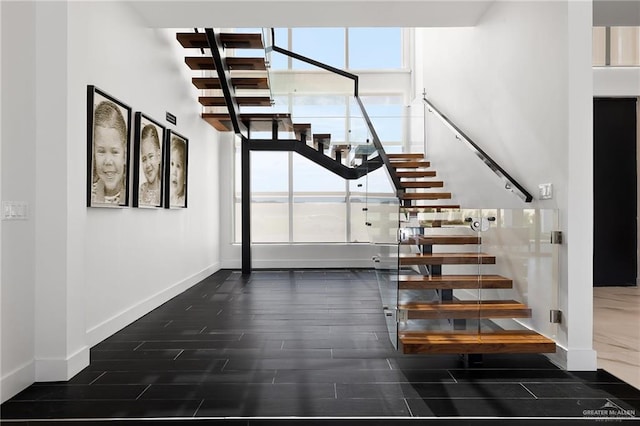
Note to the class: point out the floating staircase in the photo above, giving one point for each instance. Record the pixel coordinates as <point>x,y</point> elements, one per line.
<point>249,86</point>
<point>452,325</point>
<point>247,75</point>
<point>421,270</point>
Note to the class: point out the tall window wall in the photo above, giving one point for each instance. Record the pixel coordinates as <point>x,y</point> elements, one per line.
<point>293,200</point>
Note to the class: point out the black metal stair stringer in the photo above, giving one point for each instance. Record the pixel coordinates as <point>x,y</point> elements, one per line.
<point>350,173</point>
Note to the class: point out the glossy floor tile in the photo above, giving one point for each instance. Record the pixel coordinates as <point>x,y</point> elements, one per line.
<point>304,346</point>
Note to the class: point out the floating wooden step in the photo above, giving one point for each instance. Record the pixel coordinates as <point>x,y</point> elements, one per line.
<point>447,282</point>
<point>507,341</point>
<point>240,83</point>
<point>302,129</point>
<point>441,239</point>
<point>215,101</point>
<point>435,208</point>
<point>258,122</point>
<point>426,196</point>
<point>410,164</point>
<point>234,63</point>
<point>321,140</point>
<point>442,223</point>
<point>415,174</point>
<point>407,259</point>
<point>423,184</point>
<point>228,40</point>
<point>466,309</point>
<point>405,155</point>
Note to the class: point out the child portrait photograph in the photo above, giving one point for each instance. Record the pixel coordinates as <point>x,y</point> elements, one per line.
<point>108,141</point>
<point>176,170</point>
<point>148,162</point>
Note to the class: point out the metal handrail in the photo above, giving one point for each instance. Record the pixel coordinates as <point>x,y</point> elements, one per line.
<point>510,183</point>
<point>376,140</point>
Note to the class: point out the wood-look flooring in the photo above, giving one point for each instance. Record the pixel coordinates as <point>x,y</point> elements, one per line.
<point>616,331</point>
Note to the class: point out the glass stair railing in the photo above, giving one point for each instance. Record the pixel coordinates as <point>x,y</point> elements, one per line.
<point>464,281</point>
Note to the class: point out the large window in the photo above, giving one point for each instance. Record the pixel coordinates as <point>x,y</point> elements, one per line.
<point>384,43</point>
<point>293,199</point>
<point>343,48</point>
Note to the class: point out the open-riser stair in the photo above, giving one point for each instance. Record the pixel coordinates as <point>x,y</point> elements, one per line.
<point>249,86</point>
<point>247,83</point>
<point>433,318</point>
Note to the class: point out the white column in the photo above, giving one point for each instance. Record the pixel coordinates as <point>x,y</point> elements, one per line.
<point>579,295</point>
<point>60,328</point>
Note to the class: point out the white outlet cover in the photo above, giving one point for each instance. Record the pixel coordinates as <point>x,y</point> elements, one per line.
<point>545,191</point>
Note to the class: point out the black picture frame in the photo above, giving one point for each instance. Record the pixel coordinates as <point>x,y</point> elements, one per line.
<point>108,150</point>
<point>176,170</point>
<point>149,162</point>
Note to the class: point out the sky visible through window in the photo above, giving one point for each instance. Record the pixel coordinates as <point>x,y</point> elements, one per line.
<point>288,191</point>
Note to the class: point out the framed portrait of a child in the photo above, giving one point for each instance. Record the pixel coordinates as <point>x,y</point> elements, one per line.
<point>176,170</point>
<point>148,163</point>
<point>108,142</point>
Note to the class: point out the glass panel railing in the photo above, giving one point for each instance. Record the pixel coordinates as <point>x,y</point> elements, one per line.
<point>438,273</point>
<point>520,241</point>
<point>382,220</point>
<point>475,281</point>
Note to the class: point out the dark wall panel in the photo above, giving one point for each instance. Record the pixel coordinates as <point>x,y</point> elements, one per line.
<point>615,192</point>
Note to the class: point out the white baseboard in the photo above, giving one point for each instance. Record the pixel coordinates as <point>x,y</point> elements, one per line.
<point>559,358</point>
<point>582,360</point>
<point>17,380</point>
<point>61,369</point>
<point>301,263</point>
<point>100,332</point>
<point>312,263</point>
<point>575,359</point>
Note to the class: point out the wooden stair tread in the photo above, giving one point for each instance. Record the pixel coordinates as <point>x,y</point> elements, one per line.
<point>410,164</point>
<point>430,208</point>
<point>443,223</point>
<point>441,239</point>
<point>323,139</point>
<point>503,341</point>
<point>254,83</point>
<point>466,309</point>
<point>426,196</point>
<point>241,100</point>
<point>422,184</point>
<point>405,155</point>
<point>229,40</point>
<point>446,259</point>
<point>426,282</point>
<point>415,174</point>
<point>260,122</point>
<point>234,63</point>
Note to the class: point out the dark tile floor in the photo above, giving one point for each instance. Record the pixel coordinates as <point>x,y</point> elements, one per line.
<point>300,345</point>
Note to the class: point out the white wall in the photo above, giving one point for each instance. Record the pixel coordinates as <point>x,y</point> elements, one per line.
<point>152,250</point>
<point>616,81</point>
<point>520,85</point>
<point>17,368</point>
<point>73,275</point>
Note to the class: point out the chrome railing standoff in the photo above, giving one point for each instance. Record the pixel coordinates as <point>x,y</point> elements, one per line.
<point>510,184</point>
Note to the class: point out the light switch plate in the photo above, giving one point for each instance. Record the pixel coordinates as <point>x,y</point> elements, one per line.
<point>14,210</point>
<point>545,191</point>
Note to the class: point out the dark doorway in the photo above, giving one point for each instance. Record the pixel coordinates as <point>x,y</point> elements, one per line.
<point>615,192</point>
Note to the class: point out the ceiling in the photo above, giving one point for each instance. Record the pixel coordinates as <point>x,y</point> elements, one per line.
<point>310,13</point>
<point>608,13</point>
<point>343,13</point>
